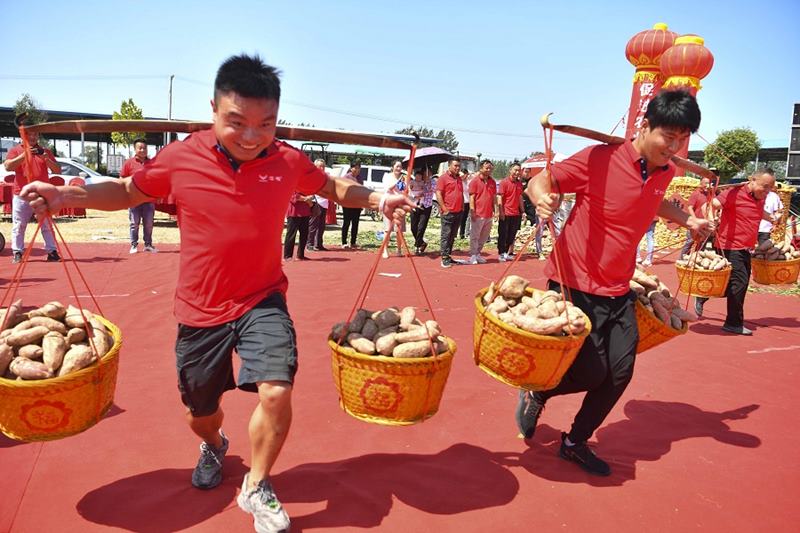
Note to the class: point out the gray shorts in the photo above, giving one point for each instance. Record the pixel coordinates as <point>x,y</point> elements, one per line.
<point>265,340</point>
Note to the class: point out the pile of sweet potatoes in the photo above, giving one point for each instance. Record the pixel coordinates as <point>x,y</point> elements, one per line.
<point>50,341</point>
<point>703,260</point>
<point>543,312</point>
<point>655,296</point>
<point>769,251</point>
<point>391,332</point>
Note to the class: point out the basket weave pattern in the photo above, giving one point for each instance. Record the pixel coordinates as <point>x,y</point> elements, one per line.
<point>775,272</point>
<point>388,390</point>
<point>55,408</point>
<point>704,283</point>
<point>652,331</point>
<point>520,358</point>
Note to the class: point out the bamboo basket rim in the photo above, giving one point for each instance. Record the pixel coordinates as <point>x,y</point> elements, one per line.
<point>529,334</point>
<point>408,361</point>
<point>704,270</point>
<point>44,383</point>
<point>776,262</point>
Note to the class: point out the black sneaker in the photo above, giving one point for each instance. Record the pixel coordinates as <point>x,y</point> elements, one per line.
<point>529,407</point>
<point>741,330</point>
<point>422,248</point>
<point>16,257</point>
<point>447,262</point>
<point>698,306</point>
<point>53,257</point>
<point>584,457</point>
<point>208,472</point>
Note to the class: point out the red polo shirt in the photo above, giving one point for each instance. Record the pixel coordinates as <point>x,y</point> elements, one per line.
<point>452,189</point>
<point>739,220</point>
<point>130,166</point>
<point>511,195</point>
<point>484,191</point>
<point>613,208</point>
<point>696,201</point>
<point>230,222</point>
<point>39,170</point>
<point>297,207</point>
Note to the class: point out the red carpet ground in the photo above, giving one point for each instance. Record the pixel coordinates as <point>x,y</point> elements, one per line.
<point>705,438</point>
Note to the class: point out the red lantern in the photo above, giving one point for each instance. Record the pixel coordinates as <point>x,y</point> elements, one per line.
<point>644,51</point>
<point>686,63</point>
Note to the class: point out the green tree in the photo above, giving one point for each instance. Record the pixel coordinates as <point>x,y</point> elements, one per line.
<point>26,104</point>
<point>127,111</point>
<point>731,151</point>
<point>93,155</point>
<point>450,143</point>
<point>500,168</point>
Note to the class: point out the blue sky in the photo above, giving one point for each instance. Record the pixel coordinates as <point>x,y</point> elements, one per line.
<point>485,70</point>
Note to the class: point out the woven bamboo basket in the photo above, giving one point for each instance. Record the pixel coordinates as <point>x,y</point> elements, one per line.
<point>387,390</point>
<point>652,331</point>
<point>520,358</point>
<point>55,408</point>
<point>704,283</point>
<point>775,272</point>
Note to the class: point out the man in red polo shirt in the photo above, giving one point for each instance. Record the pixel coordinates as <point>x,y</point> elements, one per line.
<point>232,185</point>
<point>697,200</point>
<point>619,189</point>
<point>742,209</point>
<point>144,213</point>
<point>482,194</point>
<point>510,207</point>
<point>450,195</point>
<point>41,160</point>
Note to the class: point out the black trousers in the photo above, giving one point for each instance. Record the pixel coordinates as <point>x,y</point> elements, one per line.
<point>419,223</point>
<point>316,228</point>
<point>293,225</point>
<point>507,230</point>
<point>350,216</point>
<point>737,286</point>
<point>462,226</point>
<point>604,365</point>
<point>450,223</point>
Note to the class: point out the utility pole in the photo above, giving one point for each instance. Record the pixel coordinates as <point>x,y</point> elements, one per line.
<point>169,111</point>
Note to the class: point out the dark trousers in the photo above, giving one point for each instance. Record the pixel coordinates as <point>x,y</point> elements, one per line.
<point>462,226</point>
<point>293,224</point>
<point>506,233</point>
<point>604,365</point>
<point>737,286</point>
<point>450,223</point>
<point>350,216</point>
<point>316,228</point>
<point>419,223</point>
<point>763,236</point>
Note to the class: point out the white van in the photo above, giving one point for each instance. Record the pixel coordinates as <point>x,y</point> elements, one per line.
<point>371,175</point>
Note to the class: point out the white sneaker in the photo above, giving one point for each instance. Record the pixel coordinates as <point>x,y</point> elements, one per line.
<point>480,259</point>
<point>385,253</point>
<point>267,511</point>
<point>151,249</point>
<point>473,260</point>
<point>502,258</point>
<point>133,249</point>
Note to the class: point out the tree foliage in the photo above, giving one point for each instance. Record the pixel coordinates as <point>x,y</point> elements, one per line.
<point>731,151</point>
<point>449,140</point>
<point>127,111</point>
<point>26,104</point>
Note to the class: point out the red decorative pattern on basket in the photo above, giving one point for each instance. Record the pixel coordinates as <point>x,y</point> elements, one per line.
<point>783,274</point>
<point>380,395</point>
<point>46,416</point>
<point>515,362</point>
<point>704,285</point>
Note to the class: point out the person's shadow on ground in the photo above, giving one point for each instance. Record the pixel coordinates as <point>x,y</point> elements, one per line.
<point>646,435</point>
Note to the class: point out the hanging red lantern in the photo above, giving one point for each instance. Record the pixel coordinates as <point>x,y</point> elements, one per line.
<point>686,63</point>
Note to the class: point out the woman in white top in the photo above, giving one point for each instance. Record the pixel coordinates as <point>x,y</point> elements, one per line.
<point>463,229</point>
<point>394,183</point>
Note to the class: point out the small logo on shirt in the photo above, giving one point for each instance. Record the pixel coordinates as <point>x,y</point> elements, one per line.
<point>264,178</point>
<point>659,192</point>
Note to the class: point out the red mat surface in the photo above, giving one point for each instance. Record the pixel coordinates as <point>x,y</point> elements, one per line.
<point>704,438</point>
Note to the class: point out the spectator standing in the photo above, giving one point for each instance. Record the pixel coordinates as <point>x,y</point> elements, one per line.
<point>650,243</point>
<point>450,195</point>
<point>421,193</point>
<point>694,207</point>
<point>393,182</point>
<point>146,212</point>
<point>482,194</point>
<point>297,218</point>
<point>319,214</point>
<point>510,208</point>
<point>41,159</point>
<point>351,215</point>
<point>464,226</point>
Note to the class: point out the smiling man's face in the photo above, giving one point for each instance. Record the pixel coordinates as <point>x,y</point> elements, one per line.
<point>244,126</point>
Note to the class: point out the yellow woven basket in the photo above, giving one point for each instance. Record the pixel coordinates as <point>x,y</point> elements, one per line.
<point>388,390</point>
<point>520,358</point>
<point>776,272</point>
<point>652,331</point>
<point>55,408</point>
<point>704,283</point>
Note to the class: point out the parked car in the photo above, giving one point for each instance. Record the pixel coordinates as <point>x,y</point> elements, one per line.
<point>71,168</point>
<point>371,175</point>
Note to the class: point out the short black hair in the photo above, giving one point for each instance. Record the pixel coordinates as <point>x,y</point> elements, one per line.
<point>452,160</point>
<point>140,140</point>
<point>486,161</point>
<point>673,109</point>
<point>248,76</point>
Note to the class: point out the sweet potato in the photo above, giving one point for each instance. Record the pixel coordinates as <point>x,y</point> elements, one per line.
<point>358,321</point>
<point>660,311</point>
<point>431,329</point>
<point>636,287</point>
<point>54,346</point>
<point>407,316</point>
<point>361,344</point>
<point>27,336</point>
<point>441,345</point>
<point>491,292</point>
<point>384,344</point>
<point>30,351</point>
<point>370,329</point>
<point>547,309</point>
<point>338,332</point>
<point>77,357</point>
<point>12,316</point>
<point>387,318</point>
<point>76,335</point>
<point>683,315</point>
<point>412,349</point>
<point>541,326</point>
<point>27,369</point>
<point>498,306</point>
<point>74,319</point>
<point>764,246</point>
<point>507,317</point>
<point>50,323</point>
<point>6,355</point>
<point>513,286</point>
<point>54,310</point>
<point>644,280</point>
<point>675,322</point>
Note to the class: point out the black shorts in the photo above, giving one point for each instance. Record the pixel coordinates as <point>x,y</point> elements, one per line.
<point>265,340</point>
